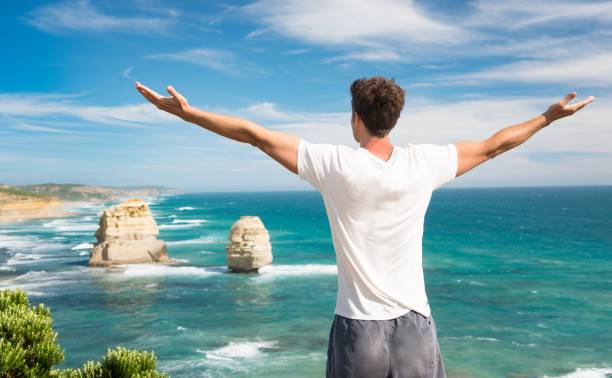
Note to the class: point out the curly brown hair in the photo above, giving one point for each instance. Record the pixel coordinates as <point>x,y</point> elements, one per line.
<point>378,101</point>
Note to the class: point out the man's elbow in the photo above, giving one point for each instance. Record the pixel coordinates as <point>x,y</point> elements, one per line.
<point>255,135</point>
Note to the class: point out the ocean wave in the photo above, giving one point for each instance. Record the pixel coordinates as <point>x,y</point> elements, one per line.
<point>297,270</point>
<point>200,240</point>
<point>153,270</point>
<point>586,373</point>
<point>239,349</point>
<point>82,246</point>
<point>18,242</point>
<point>243,357</point>
<point>27,243</point>
<point>26,257</point>
<point>65,225</point>
<point>177,226</point>
<point>184,208</point>
<point>470,337</point>
<point>190,221</point>
<point>36,282</point>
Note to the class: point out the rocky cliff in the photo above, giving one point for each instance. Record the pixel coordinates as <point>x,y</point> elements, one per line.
<point>127,234</point>
<point>77,192</point>
<point>249,248</point>
<point>17,205</point>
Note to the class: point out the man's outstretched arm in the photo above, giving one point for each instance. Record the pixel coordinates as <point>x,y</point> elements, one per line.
<point>279,145</point>
<point>473,153</point>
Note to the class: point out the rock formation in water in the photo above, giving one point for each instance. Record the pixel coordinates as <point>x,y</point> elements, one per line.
<point>127,235</point>
<point>249,248</point>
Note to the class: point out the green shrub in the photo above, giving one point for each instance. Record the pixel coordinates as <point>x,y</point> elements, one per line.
<point>28,347</point>
<point>118,363</point>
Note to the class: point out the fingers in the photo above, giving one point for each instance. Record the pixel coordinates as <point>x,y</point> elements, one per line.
<point>568,98</point>
<point>148,96</point>
<point>173,92</point>
<point>149,93</point>
<point>583,103</point>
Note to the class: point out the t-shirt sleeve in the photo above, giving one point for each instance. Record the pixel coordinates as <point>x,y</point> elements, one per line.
<point>440,162</point>
<point>315,162</point>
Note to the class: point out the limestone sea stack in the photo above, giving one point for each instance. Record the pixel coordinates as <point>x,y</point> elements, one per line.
<point>249,248</point>
<point>127,235</point>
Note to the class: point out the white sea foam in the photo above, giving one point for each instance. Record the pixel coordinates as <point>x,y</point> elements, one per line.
<point>28,247</point>
<point>239,349</point>
<point>36,282</point>
<point>177,226</point>
<point>82,246</point>
<point>227,365</point>
<point>65,225</point>
<point>184,208</point>
<point>190,221</point>
<point>83,253</point>
<point>470,337</point>
<point>297,270</point>
<point>18,242</point>
<point>200,240</point>
<point>152,270</point>
<point>586,373</point>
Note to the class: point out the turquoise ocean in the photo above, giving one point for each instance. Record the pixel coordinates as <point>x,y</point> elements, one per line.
<point>519,281</point>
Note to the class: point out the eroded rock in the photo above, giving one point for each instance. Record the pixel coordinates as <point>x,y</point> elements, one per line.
<point>128,235</point>
<point>249,248</point>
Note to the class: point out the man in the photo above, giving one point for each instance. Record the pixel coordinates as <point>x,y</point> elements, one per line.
<point>376,197</point>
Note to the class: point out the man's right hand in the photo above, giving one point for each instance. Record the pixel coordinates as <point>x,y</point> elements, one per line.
<point>562,109</point>
<point>175,104</point>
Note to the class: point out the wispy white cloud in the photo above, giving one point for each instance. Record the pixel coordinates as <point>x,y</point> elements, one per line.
<point>518,14</point>
<point>296,52</point>
<point>219,60</point>
<point>346,24</point>
<point>404,32</point>
<point>127,73</point>
<point>590,70</point>
<point>33,105</point>
<point>340,22</point>
<point>82,16</point>
<point>256,32</point>
<point>268,111</point>
<point>373,55</point>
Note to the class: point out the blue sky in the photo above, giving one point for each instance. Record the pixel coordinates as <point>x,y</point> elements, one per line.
<point>69,112</point>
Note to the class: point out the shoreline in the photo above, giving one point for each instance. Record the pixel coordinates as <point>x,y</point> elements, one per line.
<point>23,211</point>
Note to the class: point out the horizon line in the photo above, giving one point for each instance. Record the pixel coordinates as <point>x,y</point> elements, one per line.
<point>443,188</point>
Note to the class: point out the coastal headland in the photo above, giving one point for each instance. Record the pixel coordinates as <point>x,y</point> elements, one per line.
<point>21,203</point>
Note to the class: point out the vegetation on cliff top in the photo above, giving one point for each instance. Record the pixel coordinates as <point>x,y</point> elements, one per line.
<point>79,192</point>
<point>29,348</point>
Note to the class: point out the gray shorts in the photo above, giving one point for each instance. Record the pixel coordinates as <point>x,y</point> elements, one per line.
<point>406,347</point>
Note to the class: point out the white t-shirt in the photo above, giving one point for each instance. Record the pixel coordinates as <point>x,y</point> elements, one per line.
<point>376,210</point>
